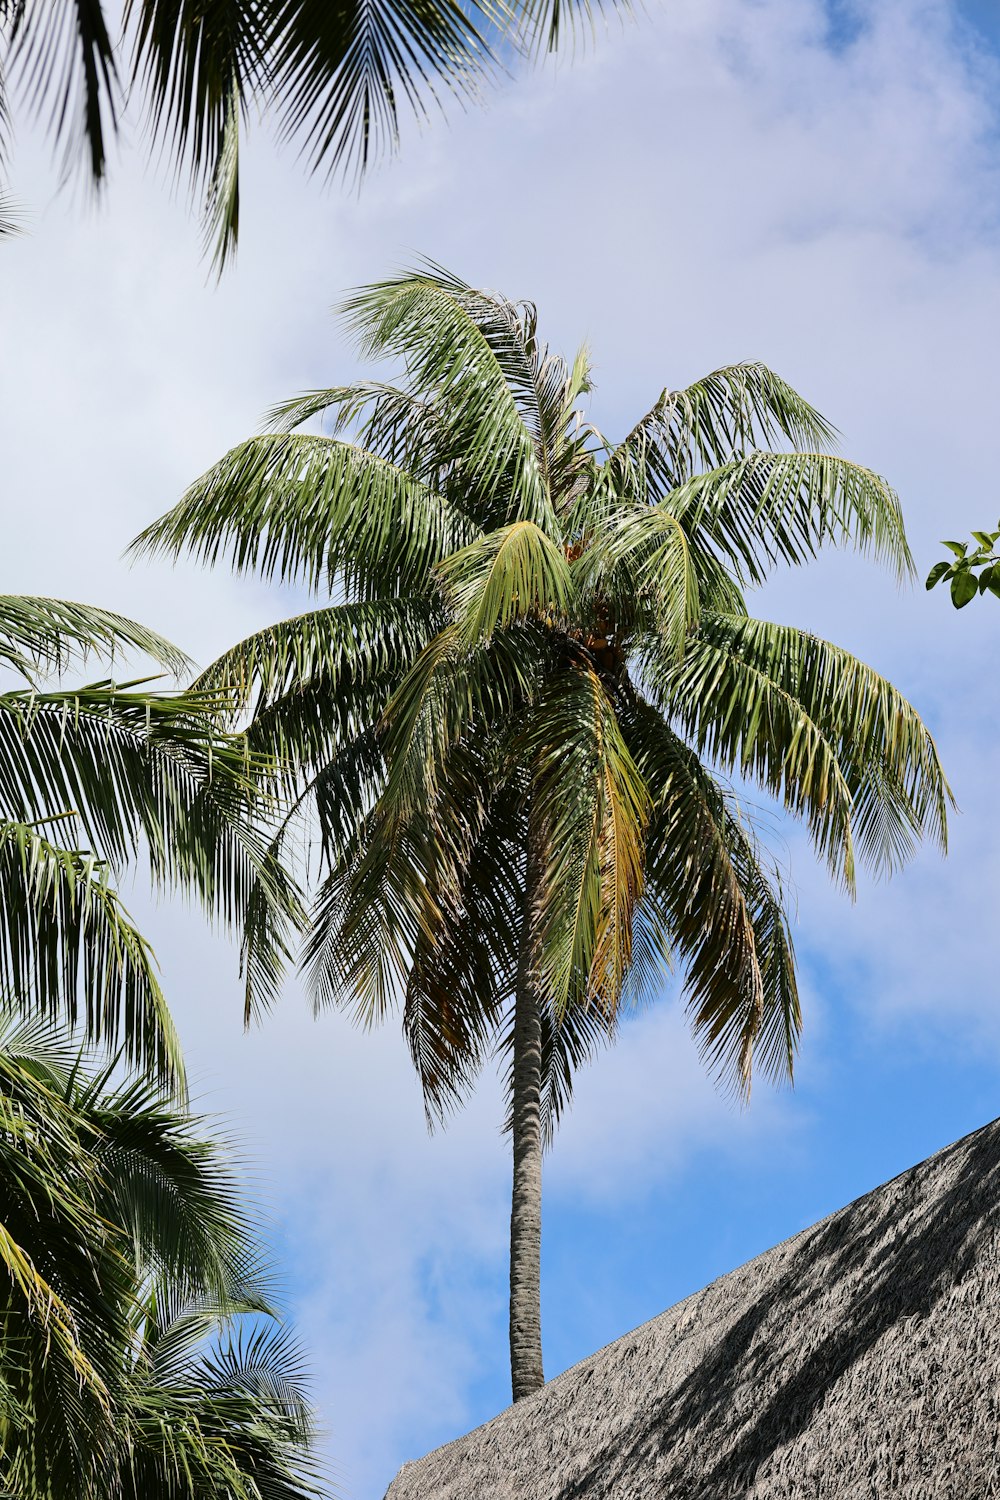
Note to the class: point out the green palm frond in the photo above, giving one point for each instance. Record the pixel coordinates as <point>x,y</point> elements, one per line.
<point>173,1197</point>
<point>345,647</point>
<point>835,742</point>
<point>344,76</point>
<point>447,690</point>
<point>727,414</point>
<point>338,80</point>
<point>592,806</point>
<point>889,758</point>
<point>469,353</point>
<point>139,769</point>
<point>221,214</point>
<point>744,721</point>
<point>463,971</point>
<point>511,575</point>
<point>63,59</point>
<point>313,510</point>
<point>53,634</point>
<point>642,563</point>
<point>693,877</point>
<point>770,507</point>
<point>365,922</point>
<point>67,947</point>
<point>142,1357</point>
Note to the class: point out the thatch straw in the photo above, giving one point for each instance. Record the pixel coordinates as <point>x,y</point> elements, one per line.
<point>858,1360</point>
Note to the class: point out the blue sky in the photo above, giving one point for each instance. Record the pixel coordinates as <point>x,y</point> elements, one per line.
<point>722,180</point>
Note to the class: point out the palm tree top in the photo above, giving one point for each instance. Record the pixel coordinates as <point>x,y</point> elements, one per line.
<point>520,716</point>
<point>506,569</point>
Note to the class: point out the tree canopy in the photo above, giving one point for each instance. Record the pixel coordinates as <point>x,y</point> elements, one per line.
<point>141,1356</point>
<point>520,729</point>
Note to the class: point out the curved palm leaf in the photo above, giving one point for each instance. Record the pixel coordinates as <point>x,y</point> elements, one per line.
<point>593,806</point>
<point>725,921</point>
<point>299,508</point>
<point>54,634</point>
<point>67,947</point>
<point>511,575</point>
<point>336,78</point>
<point>732,411</point>
<point>771,507</point>
<point>471,353</point>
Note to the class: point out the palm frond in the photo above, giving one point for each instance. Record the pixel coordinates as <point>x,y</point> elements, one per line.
<point>11,220</point>
<point>142,769</point>
<point>313,510</point>
<point>67,947</point>
<point>693,882</point>
<point>54,634</point>
<point>726,415</point>
<point>463,971</point>
<point>347,648</point>
<point>508,576</point>
<point>63,59</point>
<point>467,352</point>
<point>199,66</point>
<point>642,564</point>
<point>592,804</point>
<point>770,507</point>
<point>888,757</point>
<point>747,722</point>
<point>221,214</point>
<point>342,75</point>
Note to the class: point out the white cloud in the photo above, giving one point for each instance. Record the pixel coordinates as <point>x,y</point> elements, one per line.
<point>713,183</point>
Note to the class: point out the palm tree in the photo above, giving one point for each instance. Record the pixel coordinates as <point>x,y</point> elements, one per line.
<point>334,77</point>
<point>92,776</point>
<point>516,726</point>
<point>123,1370</point>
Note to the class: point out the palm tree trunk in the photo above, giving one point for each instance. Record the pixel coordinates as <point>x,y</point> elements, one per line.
<point>526,1199</point>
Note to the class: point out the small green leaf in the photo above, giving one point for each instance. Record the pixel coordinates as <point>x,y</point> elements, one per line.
<point>963,588</point>
<point>959,548</point>
<point>936,573</point>
<point>985,539</point>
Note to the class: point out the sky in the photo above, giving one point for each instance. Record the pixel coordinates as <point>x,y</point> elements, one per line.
<point>719,180</point>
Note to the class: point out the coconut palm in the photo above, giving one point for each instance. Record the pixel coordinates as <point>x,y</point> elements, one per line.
<point>91,777</point>
<point>515,720</point>
<point>122,1368</point>
<point>334,77</point>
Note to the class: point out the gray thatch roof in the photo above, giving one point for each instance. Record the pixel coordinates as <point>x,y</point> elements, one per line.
<point>858,1360</point>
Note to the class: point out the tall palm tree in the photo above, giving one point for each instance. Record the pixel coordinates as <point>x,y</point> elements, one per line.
<point>123,1371</point>
<point>92,776</point>
<point>334,77</point>
<point>514,727</point>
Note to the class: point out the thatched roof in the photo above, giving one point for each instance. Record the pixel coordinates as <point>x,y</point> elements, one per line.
<point>858,1360</point>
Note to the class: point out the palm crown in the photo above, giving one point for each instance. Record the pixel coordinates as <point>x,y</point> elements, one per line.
<point>515,724</point>
<point>140,1352</point>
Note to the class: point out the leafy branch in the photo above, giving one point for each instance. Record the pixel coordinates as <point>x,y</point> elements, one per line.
<point>970,573</point>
